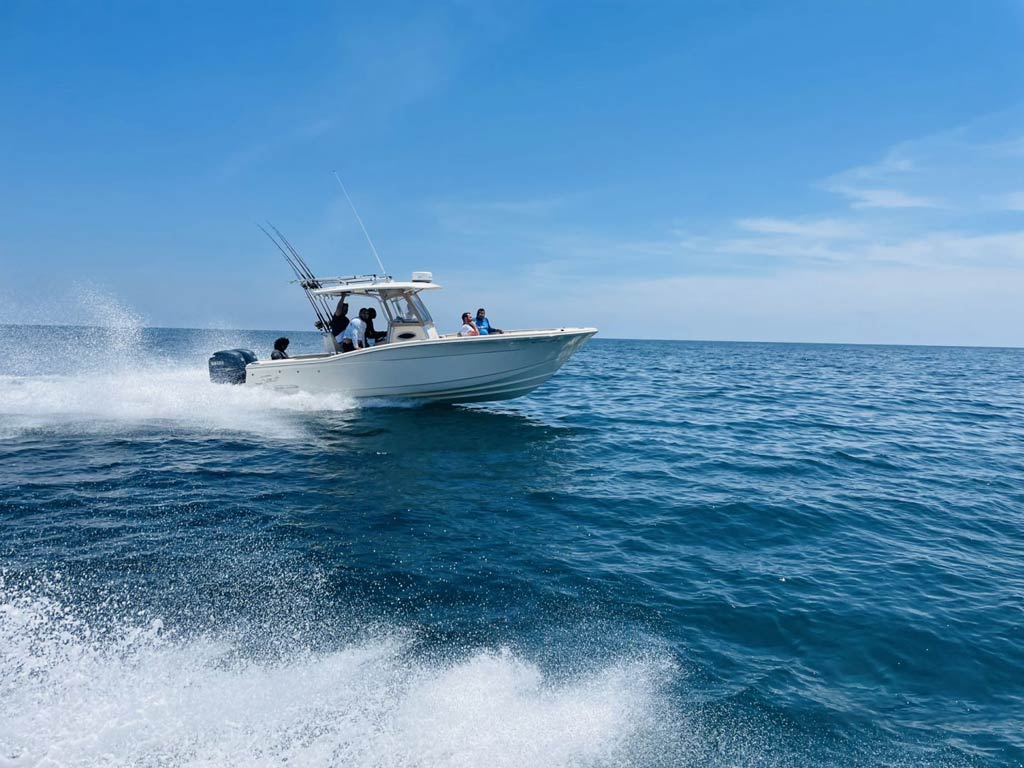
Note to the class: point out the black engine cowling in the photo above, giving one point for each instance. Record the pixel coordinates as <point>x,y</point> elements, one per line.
<point>228,365</point>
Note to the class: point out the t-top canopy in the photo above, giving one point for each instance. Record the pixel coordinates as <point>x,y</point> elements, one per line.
<point>363,284</point>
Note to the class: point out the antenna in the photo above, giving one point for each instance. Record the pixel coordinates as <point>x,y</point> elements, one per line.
<point>384,272</point>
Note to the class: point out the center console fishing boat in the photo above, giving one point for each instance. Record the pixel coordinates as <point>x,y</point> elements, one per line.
<point>414,361</point>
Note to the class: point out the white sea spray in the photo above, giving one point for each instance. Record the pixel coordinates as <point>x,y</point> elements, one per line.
<point>123,690</point>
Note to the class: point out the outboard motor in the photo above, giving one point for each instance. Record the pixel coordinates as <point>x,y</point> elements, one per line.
<point>228,365</point>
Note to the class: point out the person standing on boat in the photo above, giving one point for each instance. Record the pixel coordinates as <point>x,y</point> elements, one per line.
<point>484,325</point>
<point>279,349</point>
<point>339,320</point>
<point>354,336</point>
<point>468,328</point>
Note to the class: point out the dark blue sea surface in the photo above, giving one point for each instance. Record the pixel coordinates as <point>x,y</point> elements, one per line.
<point>672,554</point>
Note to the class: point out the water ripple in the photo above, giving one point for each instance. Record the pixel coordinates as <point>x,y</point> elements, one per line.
<point>674,553</point>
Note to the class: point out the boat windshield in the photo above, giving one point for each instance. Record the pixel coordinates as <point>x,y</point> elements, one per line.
<point>407,308</point>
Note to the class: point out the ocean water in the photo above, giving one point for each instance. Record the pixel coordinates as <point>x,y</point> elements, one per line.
<point>673,554</point>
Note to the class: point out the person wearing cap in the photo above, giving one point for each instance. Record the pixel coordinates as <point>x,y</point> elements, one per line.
<point>279,349</point>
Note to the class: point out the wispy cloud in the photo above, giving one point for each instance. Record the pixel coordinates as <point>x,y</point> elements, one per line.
<point>965,305</point>
<point>240,159</point>
<point>816,228</point>
<point>800,250</point>
<point>970,169</point>
<point>866,197</point>
<point>883,184</point>
<point>933,202</point>
<point>1011,201</point>
<point>378,69</point>
<point>924,245</point>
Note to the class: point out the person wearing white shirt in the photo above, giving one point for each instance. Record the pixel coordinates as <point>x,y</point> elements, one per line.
<point>468,327</point>
<point>354,336</point>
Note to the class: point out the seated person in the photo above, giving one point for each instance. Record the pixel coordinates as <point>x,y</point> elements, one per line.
<point>279,349</point>
<point>373,334</point>
<point>354,335</point>
<point>468,328</point>
<point>484,325</point>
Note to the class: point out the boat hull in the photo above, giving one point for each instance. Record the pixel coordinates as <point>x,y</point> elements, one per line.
<point>445,370</point>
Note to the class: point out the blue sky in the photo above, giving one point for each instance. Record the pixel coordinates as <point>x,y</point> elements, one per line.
<point>841,171</point>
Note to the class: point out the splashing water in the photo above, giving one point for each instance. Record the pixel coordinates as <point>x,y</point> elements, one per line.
<point>119,327</point>
<point>123,400</point>
<point>97,329</point>
<point>74,694</point>
<point>117,374</point>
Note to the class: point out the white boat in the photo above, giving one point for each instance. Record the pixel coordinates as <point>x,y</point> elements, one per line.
<point>415,361</point>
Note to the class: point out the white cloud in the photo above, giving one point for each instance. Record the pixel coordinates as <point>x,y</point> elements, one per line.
<point>797,249</point>
<point>919,247</point>
<point>968,169</point>
<point>951,249</point>
<point>865,197</point>
<point>875,304</point>
<point>971,173</point>
<point>816,228</point>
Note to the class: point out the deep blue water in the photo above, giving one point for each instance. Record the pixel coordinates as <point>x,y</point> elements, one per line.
<point>675,553</point>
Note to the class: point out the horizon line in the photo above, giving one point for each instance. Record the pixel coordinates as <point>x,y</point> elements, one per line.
<point>596,338</point>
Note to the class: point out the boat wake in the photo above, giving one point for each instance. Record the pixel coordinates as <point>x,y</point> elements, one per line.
<point>127,399</point>
<point>118,375</point>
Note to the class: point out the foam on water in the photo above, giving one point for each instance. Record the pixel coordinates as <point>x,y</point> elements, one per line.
<point>106,378</point>
<point>125,399</point>
<point>72,693</point>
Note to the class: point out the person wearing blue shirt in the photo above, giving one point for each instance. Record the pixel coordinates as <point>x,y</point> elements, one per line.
<point>484,325</point>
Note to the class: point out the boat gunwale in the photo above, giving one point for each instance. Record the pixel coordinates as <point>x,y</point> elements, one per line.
<point>320,358</point>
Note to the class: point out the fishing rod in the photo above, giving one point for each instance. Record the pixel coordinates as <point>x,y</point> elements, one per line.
<point>314,283</point>
<point>291,262</point>
<point>384,272</point>
<point>317,309</point>
<point>306,279</point>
